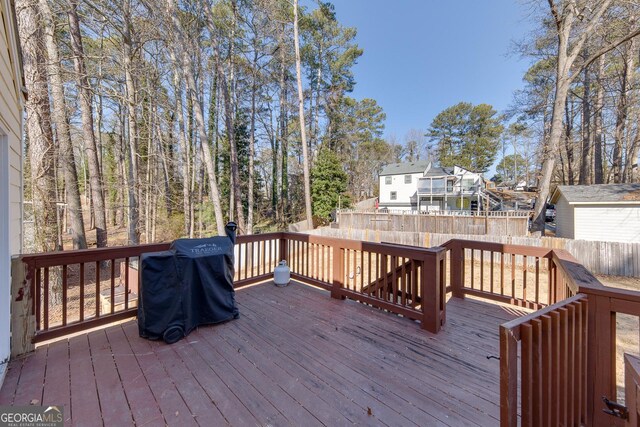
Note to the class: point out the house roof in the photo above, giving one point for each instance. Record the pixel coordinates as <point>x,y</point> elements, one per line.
<point>598,193</point>
<point>438,171</point>
<point>405,168</point>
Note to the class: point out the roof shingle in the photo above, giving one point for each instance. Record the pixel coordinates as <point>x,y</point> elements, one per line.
<point>599,193</point>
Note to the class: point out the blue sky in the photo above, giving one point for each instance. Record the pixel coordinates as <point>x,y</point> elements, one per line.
<point>422,56</point>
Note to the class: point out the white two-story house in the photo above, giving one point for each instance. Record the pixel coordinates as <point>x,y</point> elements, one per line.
<point>420,186</point>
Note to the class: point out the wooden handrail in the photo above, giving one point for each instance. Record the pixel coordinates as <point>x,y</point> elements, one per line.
<point>409,281</point>
<point>417,293</point>
<point>256,257</point>
<point>553,377</point>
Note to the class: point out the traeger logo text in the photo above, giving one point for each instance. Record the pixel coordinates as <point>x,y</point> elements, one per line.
<point>206,248</point>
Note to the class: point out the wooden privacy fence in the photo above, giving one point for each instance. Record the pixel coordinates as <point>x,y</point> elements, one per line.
<point>505,223</point>
<point>73,291</point>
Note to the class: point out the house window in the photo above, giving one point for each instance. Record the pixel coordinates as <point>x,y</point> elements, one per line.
<point>468,184</point>
<point>387,180</point>
<point>394,195</point>
<point>407,179</point>
<point>449,186</point>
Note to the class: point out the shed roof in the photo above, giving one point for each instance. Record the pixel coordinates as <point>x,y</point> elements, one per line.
<point>598,193</point>
<point>405,168</point>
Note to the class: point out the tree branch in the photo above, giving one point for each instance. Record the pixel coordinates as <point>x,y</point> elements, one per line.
<point>607,49</point>
<point>554,12</point>
<point>588,30</point>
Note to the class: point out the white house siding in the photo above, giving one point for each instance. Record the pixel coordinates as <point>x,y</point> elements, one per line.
<point>10,168</point>
<point>609,223</point>
<point>404,191</point>
<point>564,219</point>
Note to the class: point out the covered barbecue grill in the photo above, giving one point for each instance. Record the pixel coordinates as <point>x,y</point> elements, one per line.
<point>189,285</point>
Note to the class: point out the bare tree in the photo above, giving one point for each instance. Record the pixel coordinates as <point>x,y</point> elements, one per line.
<point>575,22</point>
<point>61,122</point>
<point>91,148</point>
<point>189,73</point>
<point>303,130</point>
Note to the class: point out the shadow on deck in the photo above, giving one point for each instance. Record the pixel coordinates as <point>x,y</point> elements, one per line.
<point>295,357</point>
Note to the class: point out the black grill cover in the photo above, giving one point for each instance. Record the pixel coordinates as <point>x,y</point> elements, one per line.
<point>189,285</point>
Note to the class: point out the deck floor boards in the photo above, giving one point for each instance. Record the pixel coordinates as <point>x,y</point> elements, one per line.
<point>295,357</point>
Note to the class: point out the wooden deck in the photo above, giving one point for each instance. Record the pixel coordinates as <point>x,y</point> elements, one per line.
<point>295,357</point>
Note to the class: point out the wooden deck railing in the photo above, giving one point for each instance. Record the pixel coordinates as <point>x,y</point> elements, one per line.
<point>562,358</point>
<point>405,280</point>
<point>78,290</point>
<point>513,274</point>
<point>553,366</point>
<point>566,355</point>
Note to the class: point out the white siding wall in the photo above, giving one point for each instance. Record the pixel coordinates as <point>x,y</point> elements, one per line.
<point>564,219</point>
<point>609,223</point>
<point>404,191</point>
<point>10,169</point>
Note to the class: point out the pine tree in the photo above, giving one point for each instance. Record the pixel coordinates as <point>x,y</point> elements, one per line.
<point>467,135</point>
<point>328,184</point>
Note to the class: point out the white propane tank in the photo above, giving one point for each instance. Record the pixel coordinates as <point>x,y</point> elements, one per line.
<point>281,275</point>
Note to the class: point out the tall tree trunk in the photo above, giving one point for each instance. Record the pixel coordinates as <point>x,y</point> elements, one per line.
<point>122,165</point>
<point>185,148</point>
<point>598,170</point>
<point>91,148</point>
<point>622,111</point>
<point>61,121</point>
<point>303,130</point>
<point>132,124</point>
<point>281,154</point>
<point>201,128</point>
<point>252,135</point>
<point>585,163</point>
<point>192,91</point>
<point>629,159</point>
<point>568,108</point>
<point>316,120</point>
<point>634,171</point>
<point>230,125</point>
<point>38,126</point>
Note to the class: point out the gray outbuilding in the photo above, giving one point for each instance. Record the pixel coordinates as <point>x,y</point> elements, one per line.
<point>602,212</point>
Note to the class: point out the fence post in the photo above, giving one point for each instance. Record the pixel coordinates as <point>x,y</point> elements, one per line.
<point>508,378</point>
<point>455,269</point>
<point>430,293</point>
<point>23,326</point>
<point>338,272</point>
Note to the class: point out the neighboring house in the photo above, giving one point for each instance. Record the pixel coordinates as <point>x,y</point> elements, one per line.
<point>603,212</point>
<point>398,183</point>
<point>423,187</point>
<point>11,110</point>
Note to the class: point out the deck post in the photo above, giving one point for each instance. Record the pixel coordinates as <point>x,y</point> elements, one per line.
<point>284,255</point>
<point>508,378</point>
<point>457,258</point>
<point>601,360</point>
<point>338,272</point>
<point>23,326</point>
<point>430,293</point>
